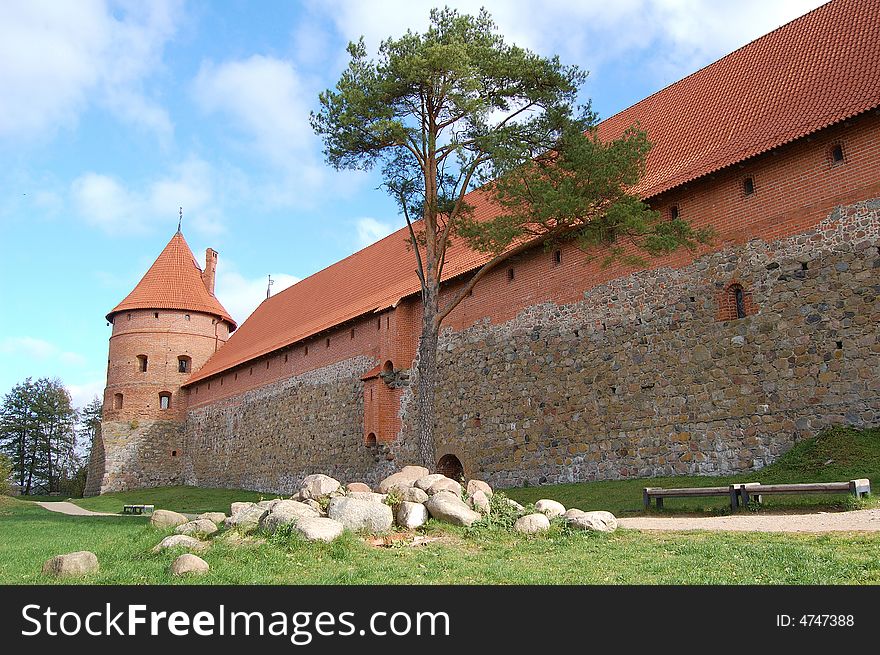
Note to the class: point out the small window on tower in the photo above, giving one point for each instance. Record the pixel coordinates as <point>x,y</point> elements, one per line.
<point>748,186</point>
<point>155,314</point>
<point>557,257</point>
<point>164,400</point>
<point>673,212</point>
<point>183,363</point>
<point>510,275</point>
<point>837,154</point>
<point>328,342</point>
<point>186,316</point>
<point>142,363</point>
<point>117,401</point>
<point>352,333</point>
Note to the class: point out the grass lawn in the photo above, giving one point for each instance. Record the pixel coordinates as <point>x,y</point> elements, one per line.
<point>29,535</point>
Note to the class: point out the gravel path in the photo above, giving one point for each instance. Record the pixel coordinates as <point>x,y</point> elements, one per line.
<point>863,520</point>
<point>71,510</point>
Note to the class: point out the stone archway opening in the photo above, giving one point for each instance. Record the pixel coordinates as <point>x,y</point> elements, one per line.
<point>450,466</point>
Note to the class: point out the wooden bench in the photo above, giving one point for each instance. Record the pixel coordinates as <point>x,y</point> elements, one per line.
<point>659,493</point>
<point>858,488</point>
<point>137,509</point>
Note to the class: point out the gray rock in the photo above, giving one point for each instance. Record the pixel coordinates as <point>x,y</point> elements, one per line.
<point>247,519</point>
<point>598,521</point>
<point>368,495</point>
<point>82,562</point>
<point>319,528</point>
<point>478,485</point>
<point>215,517</point>
<point>199,527</point>
<point>318,485</point>
<point>550,508</point>
<point>268,504</point>
<point>180,541</point>
<point>402,479</point>
<point>532,523</point>
<point>446,484</point>
<point>414,495</point>
<point>285,513</point>
<point>357,486</point>
<point>411,515</point>
<point>361,515</point>
<point>235,508</point>
<point>445,506</point>
<point>480,502</point>
<point>315,505</point>
<point>189,564</point>
<point>515,505</point>
<point>424,483</point>
<point>164,519</point>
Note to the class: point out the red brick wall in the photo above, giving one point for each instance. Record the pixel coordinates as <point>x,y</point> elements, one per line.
<point>162,339</point>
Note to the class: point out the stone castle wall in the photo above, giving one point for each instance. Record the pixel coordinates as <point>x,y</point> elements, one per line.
<point>642,379</point>
<point>270,438</point>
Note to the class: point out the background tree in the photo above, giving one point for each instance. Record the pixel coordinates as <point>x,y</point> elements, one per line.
<point>37,433</point>
<point>456,108</point>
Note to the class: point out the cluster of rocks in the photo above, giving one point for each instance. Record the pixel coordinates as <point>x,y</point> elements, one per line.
<point>323,509</point>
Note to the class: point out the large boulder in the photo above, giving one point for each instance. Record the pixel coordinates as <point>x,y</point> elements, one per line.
<point>597,521</point>
<point>361,515</point>
<point>79,563</point>
<point>445,484</point>
<point>235,508</point>
<point>445,506</point>
<point>550,508</point>
<point>368,495</point>
<point>357,486</point>
<point>319,528</point>
<point>424,483</point>
<point>214,517</point>
<point>164,519</point>
<point>414,495</point>
<point>532,523</point>
<point>480,502</point>
<point>180,541</point>
<point>189,564</point>
<point>411,515</point>
<point>318,485</point>
<point>247,519</point>
<point>405,477</point>
<point>315,505</point>
<point>478,485</point>
<point>268,504</point>
<point>285,513</point>
<point>199,527</point>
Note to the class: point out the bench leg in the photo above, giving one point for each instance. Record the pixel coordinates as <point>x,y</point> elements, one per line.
<point>646,500</point>
<point>734,499</point>
<point>659,502</point>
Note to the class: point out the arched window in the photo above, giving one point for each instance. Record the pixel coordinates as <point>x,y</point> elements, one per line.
<point>142,363</point>
<point>117,401</point>
<point>165,400</point>
<point>450,466</point>
<point>371,440</point>
<point>739,303</point>
<point>184,362</point>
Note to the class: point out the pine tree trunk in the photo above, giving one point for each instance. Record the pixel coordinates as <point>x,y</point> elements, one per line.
<point>427,380</point>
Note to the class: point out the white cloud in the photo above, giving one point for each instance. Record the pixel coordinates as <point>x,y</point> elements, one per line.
<point>108,204</point>
<point>58,58</point>
<point>39,349</point>
<point>241,295</point>
<point>265,98</point>
<point>83,394</point>
<point>677,36</point>
<point>369,230</point>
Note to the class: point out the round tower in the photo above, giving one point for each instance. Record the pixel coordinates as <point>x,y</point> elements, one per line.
<point>163,331</point>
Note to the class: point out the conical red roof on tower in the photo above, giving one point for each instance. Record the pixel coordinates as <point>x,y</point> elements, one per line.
<point>174,281</point>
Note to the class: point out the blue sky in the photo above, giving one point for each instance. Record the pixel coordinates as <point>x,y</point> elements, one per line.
<point>114,114</point>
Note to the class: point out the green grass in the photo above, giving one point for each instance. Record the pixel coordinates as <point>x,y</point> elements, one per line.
<point>29,535</point>
<point>836,455</point>
<point>192,500</point>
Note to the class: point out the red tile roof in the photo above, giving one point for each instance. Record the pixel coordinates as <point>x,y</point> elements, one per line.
<point>174,281</point>
<point>808,74</point>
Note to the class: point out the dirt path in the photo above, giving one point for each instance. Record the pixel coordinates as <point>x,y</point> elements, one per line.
<point>863,520</point>
<point>71,510</point>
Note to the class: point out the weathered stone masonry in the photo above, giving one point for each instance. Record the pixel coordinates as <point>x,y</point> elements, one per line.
<point>637,379</point>
<point>640,379</point>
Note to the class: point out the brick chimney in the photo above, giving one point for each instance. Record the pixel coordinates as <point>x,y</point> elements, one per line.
<point>210,270</point>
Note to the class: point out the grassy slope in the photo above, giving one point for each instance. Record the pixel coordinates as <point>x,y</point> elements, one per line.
<point>836,455</point>
<point>29,535</point>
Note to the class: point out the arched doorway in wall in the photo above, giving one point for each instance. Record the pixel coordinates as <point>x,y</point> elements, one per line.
<point>450,466</point>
